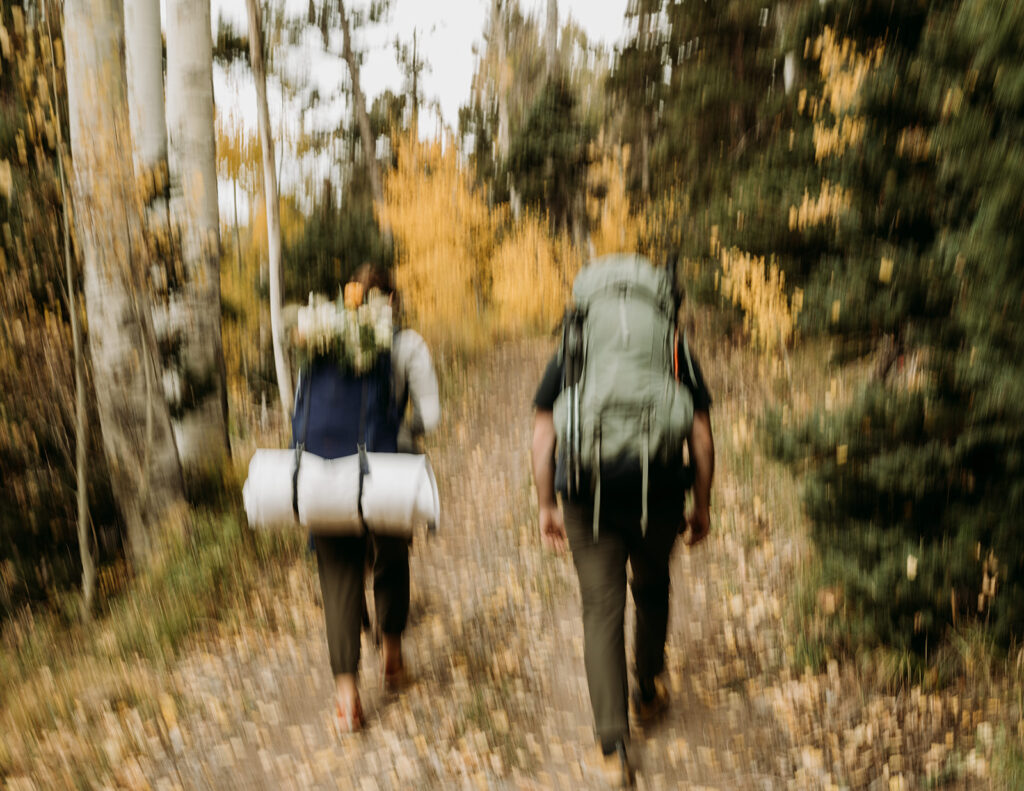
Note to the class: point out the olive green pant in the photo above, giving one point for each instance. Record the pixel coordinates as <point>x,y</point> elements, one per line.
<point>342,562</point>
<point>601,568</point>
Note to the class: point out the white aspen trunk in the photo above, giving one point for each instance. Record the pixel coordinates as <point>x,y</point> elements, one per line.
<point>134,420</point>
<point>145,80</point>
<point>144,69</point>
<point>200,427</point>
<point>791,70</point>
<point>284,379</point>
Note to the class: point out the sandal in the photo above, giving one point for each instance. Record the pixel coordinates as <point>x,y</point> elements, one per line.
<point>392,680</point>
<point>348,719</point>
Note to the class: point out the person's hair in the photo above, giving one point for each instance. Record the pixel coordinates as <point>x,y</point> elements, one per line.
<point>370,275</point>
<point>374,276</point>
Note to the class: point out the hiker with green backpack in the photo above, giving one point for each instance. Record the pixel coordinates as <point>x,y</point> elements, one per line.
<point>615,409</point>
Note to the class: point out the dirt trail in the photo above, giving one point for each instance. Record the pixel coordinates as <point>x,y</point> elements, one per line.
<point>498,698</point>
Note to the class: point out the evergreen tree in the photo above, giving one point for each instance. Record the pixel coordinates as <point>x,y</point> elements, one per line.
<point>549,155</point>
<point>722,61</point>
<point>698,80</point>
<point>636,86</point>
<point>915,494</point>
<point>979,144</point>
<point>337,237</point>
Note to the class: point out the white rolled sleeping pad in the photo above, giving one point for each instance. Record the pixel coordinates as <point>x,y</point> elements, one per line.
<point>399,493</point>
<point>267,493</point>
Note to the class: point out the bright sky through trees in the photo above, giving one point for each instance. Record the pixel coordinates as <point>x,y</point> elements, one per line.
<point>447,32</point>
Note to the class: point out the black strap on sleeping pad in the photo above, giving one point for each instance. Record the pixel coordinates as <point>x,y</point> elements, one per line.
<point>364,460</point>
<point>301,444</point>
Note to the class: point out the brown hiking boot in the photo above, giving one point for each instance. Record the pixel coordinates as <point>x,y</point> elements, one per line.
<point>648,708</point>
<point>617,766</point>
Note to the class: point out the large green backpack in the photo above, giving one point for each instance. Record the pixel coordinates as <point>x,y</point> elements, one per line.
<point>621,407</point>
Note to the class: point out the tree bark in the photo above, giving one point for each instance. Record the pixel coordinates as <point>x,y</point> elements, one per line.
<point>78,358</point>
<point>145,77</point>
<point>148,121</point>
<point>415,85</point>
<point>498,28</point>
<point>284,379</point>
<point>201,412</point>
<point>645,125</point>
<point>134,419</point>
<point>359,105</point>
<point>551,38</point>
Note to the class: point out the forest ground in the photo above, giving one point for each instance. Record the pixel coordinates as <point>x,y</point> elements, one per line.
<point>498,696</point>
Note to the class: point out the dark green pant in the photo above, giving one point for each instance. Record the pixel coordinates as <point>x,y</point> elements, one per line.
<point>342,561</point>
<point>601,567</point>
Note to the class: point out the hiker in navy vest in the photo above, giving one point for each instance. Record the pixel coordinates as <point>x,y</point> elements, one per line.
<point>390,408</point>
<point>623,325</point>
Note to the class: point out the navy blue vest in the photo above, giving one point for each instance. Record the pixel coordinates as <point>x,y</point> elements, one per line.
<point>341,406</point>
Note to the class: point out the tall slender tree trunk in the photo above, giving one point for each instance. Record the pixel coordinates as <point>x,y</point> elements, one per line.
<point>134,420</point>
<point>359,104</point>
<point>645,119</point>
<point>81,439</point>
<point>78,359</point>
<point>201,412</point>
<point>551,38</point>
<point>284,379</point>
<point>145,78</point>
<point>146,114</point>
<point>504,140</point>
<point>498,32</point>
<point>645,153</point>
<point>415,84</point>
<point>569,220</point>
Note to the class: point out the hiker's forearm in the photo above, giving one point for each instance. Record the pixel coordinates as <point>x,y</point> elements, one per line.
<point>544,457</point>
<point>702,457</point>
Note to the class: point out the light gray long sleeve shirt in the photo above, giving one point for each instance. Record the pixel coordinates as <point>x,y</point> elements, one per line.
<point>412,370</point>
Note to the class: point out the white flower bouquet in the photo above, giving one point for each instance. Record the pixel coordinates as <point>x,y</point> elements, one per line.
<point>349,330</point>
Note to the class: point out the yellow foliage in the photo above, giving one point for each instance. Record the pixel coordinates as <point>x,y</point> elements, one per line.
<point>239,156</point>
<point>444,234</point>
<point>616,229</point>
<point>531,277</point>
<point>846,132</point>
<point>661,224</point>
<point>885,270</point>
<point>759,290</point>
<point>914,144</point>
<point>462,273</point>
<point>828,206</point>
<point>843,69</point>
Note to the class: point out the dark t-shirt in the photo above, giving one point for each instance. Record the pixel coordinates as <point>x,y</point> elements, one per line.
<point>666,485</point>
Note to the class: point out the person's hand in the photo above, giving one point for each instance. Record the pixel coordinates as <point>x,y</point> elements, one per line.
<point>698,525</point>
<point>552,529</point>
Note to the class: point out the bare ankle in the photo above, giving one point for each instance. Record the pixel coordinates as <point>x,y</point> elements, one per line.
<point>346,686</point>
<point>392,651</point>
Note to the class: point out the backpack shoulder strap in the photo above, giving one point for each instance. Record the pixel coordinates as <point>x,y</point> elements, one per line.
<point>301,444</point>
<point>689,360</point>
